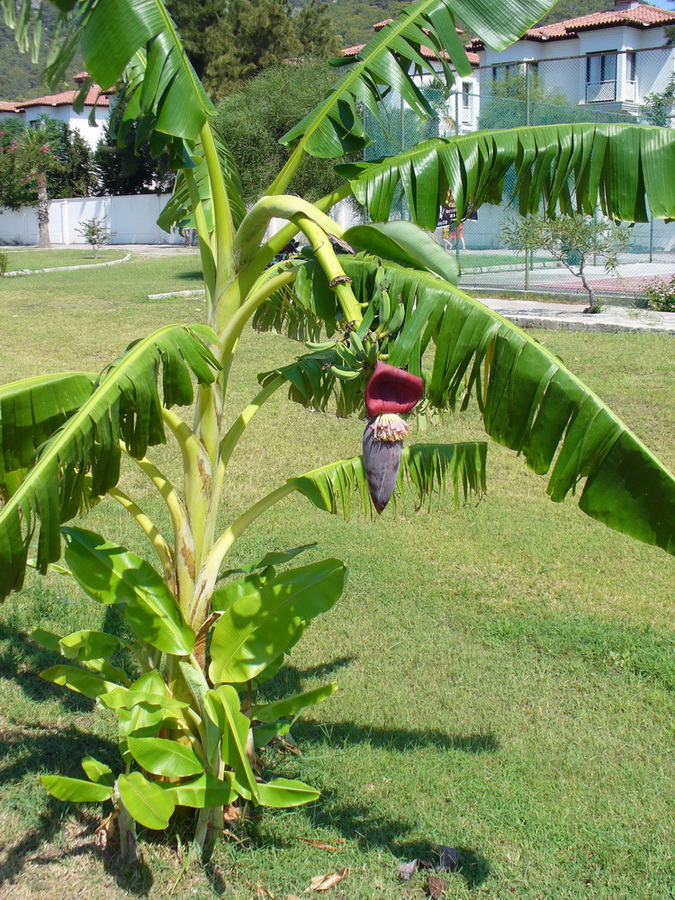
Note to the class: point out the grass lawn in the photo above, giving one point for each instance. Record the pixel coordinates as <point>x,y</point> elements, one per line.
<point>47,259</point>
<point>506,670</point>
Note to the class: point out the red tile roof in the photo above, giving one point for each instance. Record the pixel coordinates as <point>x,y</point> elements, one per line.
<point>66,98</point>
<point>95,97</point>
<point>427,52</point>
<point>640,16</point>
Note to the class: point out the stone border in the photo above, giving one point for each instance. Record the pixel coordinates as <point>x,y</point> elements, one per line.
<point>199,293</point>
<point>112,262</point>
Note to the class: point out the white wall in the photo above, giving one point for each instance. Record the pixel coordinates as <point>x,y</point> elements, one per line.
<point>133,218</point>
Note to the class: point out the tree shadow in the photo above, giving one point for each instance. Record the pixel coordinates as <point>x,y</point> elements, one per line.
<point>136,879</point>
<point>190,275</point>
<point>401,739</point>
<point>291,680</point>
<point>32,748</point>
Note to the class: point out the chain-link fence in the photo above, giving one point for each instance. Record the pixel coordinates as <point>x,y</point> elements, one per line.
<point>626,86</point>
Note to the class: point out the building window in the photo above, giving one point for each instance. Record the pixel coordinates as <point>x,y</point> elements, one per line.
<point>631,66</point>
<point>600,77</point>
<point>466,95</point>
<point>501,73</point>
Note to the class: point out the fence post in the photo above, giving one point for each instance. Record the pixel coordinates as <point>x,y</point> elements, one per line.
<point>528,112</point>
<point>651,238</point>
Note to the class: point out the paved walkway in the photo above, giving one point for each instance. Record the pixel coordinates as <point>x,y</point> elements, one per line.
<point>570,317</point>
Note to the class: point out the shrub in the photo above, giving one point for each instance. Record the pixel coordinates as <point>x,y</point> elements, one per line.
<point>4,263</point>
<point>660,294</point>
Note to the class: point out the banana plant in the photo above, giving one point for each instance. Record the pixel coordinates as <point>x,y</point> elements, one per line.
<point>382,326</point>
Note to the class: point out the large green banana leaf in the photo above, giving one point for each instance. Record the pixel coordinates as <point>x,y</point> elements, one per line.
<point>31,411</point>
<point>393,56</point>
<point>624,169</point>
<point>114,35</point>
<point>125,404</point>
<point>529,400</point>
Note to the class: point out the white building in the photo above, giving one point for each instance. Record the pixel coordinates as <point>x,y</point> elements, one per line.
<point>60,107</point>
<point>460,115</point>
<point>608,60</point>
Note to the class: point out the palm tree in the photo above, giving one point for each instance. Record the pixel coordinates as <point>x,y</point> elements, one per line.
<point>206,635</point>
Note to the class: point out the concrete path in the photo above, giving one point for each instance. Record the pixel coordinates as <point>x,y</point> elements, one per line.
<point>570,317</point>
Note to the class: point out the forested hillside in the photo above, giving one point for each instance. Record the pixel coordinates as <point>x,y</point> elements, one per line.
<point>352,23</point>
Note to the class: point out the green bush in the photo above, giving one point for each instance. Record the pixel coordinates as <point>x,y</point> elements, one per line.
<point>660,294</point>
<point>4,263</point>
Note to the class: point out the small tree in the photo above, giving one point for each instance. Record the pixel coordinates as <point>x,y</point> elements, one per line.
<point>40,163</point>
<point>95,232</point>
<point>572,240</point>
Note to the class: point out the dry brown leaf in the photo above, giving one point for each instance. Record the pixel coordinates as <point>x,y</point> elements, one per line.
<point>232,813</point>
<point>262,891</point>
<point>320,845</point>
<point>326,882</point>
<point>105,831</point>
<point>292,897</point>
<point>437,888</point>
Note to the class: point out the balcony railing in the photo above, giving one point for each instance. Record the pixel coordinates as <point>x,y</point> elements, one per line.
<point>598,91</point>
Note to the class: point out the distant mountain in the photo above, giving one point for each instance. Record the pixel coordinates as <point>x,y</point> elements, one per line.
<point>20,78</point>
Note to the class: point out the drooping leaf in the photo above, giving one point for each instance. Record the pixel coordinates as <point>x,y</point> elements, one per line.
<point>115,36</point>
<point>202,792</point>
<point>572,167</point>
<point>113,575</point>
<point>31,411</point>
<point>402,241</point>
<point>223,706</point>
<point>86,645</point>
<point>164,757</point>
<point>260,626</point>
<point>124,404</point>
<point>75,790</point>
<point>291,706</point>
<point>145,801</point>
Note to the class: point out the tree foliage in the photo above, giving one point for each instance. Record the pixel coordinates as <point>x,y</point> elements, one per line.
<point>121,167</point>
<point>230,41</point>
<point>575,241</point>
<point>255,117</point>
<point>66,162</point>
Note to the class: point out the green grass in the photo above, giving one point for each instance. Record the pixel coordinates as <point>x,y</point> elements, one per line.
<point>506,670</point>
<point>47,259</point>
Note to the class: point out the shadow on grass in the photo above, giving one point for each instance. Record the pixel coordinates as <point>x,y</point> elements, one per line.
<point>21,662</point>
<point>135,879</point>
<point>29,749</point>
<point>190,275</point>
<point>401,739</point>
